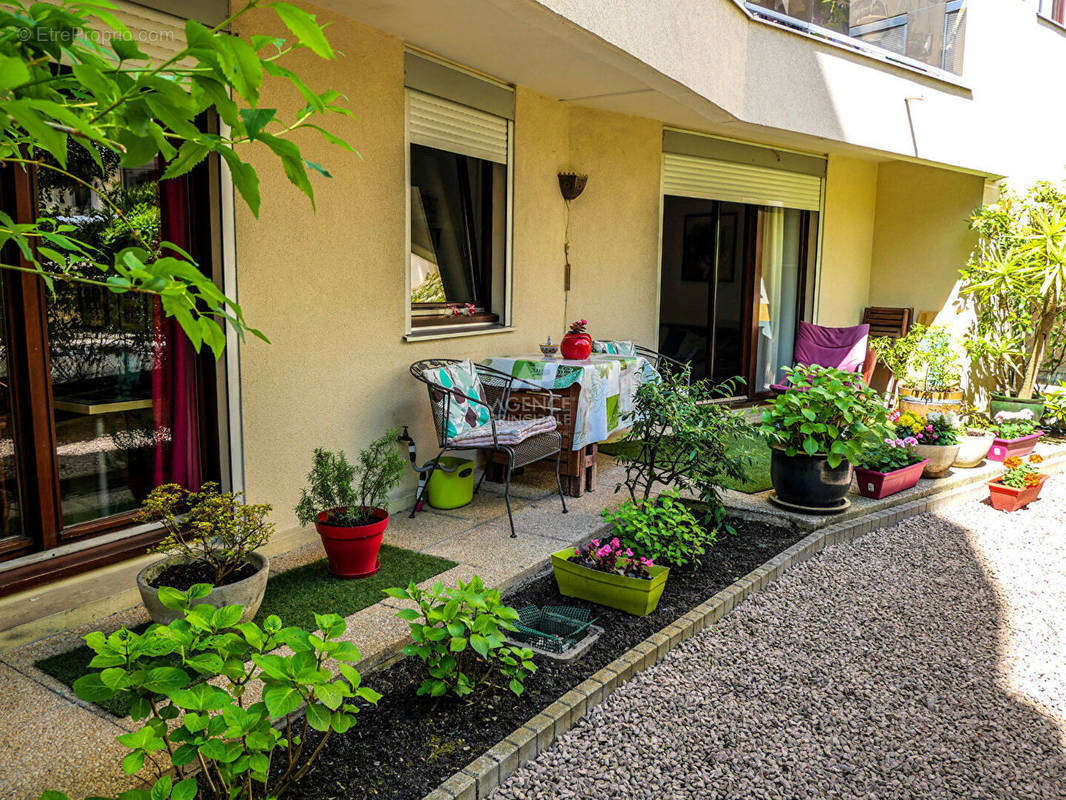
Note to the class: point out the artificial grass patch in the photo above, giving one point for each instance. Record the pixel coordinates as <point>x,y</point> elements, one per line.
<point>753,449</point>
<point>295,595</point>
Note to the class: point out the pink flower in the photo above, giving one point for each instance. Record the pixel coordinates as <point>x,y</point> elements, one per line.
<point>910,440</point>
<point>888,442</point>
<point>929,428</point>
<point>936,436</point>
<point>596,542</point>
<point>900,443</point>
<point>615,542</point>
<point>629,552</point>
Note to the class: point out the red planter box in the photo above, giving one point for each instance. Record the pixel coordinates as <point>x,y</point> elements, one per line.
<point>881,484</point>
<point>1005,448</point>
<point>1007,498</point>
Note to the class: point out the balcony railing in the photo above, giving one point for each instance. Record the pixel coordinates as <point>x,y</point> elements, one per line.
<point>927,35</point>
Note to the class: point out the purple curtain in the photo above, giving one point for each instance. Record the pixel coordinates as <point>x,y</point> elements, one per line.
<point>174,390</point>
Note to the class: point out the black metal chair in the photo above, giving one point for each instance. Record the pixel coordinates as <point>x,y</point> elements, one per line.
<point>497,387</point>
<point>659,361</point>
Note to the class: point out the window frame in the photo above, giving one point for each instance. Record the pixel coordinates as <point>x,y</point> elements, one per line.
<point>440,327</point>
<point>51,550</point>
<point>1053,11</point>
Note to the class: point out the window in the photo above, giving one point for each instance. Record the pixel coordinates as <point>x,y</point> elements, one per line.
<point>924,32</point>
<point>103,397</point>
<point>1054,10</point>
<point>459,194</point>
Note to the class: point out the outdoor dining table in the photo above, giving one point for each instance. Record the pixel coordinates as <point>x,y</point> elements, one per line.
<point>594,398</point>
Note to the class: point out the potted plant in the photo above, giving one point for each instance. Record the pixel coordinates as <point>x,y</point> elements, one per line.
<point>1016,434</point>
<point>935,437</point>
<point>577,343</point>
<point>926,365</point>
<point>974,444</point>
<point>1019,485</point>
<point>211,539</point>
<point>610,575</point>
<point>349,504</point>
<point>889,467</point>
<point>1016,279</point>
<point>817,429</point>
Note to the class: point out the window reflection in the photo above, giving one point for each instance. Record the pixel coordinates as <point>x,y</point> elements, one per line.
<point>10,512</point>
<point>121,376</point>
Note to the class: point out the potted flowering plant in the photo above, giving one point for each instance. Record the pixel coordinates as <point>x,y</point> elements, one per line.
<point>611,575</point>
<point>817,430</point>
<point>889,467</point>
<point>1016,434</point>
<point>1019,485</point>
<point>577,343</point>
<point>936,438</point>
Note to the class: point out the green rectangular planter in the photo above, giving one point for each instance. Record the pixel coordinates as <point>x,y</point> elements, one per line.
<point>635,596</point>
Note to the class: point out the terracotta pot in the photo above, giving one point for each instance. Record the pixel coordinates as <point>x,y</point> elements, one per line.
<point>353,551</point>
<point>576,346</point>
<point>247,593</point>
<point>1003,449</point>
<point>805,480</point>
<point>876,485</point>
<point>940,457</point>
<point>1007,498</point>
<point>973,447</point>
<point>920,403</point>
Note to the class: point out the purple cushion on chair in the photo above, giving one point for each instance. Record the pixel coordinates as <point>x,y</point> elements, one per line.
<point>842,348</point>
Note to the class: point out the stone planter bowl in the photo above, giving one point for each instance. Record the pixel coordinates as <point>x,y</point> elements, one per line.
<point>973,447</point>
<point>247,593</point>
<point>941,457</point>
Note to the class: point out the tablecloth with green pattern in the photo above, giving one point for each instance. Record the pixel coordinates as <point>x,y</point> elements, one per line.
<point>608,384</point>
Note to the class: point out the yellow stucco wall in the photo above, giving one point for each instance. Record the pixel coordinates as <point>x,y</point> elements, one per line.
<point>328,287</point>
<point>922,237</point>
<point>847,240</point>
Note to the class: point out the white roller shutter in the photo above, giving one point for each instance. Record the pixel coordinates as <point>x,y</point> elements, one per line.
<point>444,125</point>
<point>159,35</point>
<point>692,176</point>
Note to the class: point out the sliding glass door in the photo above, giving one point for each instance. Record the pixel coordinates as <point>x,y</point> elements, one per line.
<point>734,285</point>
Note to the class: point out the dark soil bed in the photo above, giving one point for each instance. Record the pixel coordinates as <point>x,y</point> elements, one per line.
<point>185,575</point>
<point>407,745</point>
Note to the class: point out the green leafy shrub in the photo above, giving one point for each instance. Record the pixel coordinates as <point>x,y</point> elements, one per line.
<point>887,456</point>
<point>208,526</point>
<point>1055,408</point>
<point>925,359</point>
<point>166,672</point>
<point>826,411</point>
<point>665,530</point>
<point>459,636</point>
<point>680,439</point>
<point>349,494</point>
<point>1017,279</point>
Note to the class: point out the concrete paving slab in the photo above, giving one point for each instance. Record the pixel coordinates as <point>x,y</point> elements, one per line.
<point>427,529</point>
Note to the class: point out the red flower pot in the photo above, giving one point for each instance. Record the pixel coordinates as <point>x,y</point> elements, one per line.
<point>1007,498</point>
<point>881,484</point>
<point>1003,449</point>
<point>353,551</point>
<point>576,346</point>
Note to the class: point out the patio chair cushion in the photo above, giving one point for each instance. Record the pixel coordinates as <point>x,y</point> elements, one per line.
<point>508,432</point>
<point>614,348</point>
<point>463,380</point>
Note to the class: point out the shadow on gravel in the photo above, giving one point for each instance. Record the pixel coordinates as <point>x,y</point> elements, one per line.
<point>873,671</point>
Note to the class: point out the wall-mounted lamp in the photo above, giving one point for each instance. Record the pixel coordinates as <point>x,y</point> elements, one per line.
<point>571,185</point>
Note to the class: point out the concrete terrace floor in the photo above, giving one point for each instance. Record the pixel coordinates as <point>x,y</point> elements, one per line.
<point>49,739</point>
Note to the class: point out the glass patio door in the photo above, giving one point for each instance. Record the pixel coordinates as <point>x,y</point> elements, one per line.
<point>733,287</point>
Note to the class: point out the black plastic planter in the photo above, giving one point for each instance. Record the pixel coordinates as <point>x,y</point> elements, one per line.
<point>805,480</point>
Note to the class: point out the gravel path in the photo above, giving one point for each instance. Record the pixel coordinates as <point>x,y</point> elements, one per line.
<point>923,661</point>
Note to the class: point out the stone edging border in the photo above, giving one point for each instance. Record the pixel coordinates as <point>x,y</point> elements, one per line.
<point>478,779</point>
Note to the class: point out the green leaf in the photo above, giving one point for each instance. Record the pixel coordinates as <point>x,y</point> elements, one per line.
<point>227,616</point>
<point>133,762</point>
<point>184,790</point>
<point>408,614</point>
<point>318,716</point>
<point>13,72</point>
<point>516,687</point>
<point>479,644</point>
<point>92,689</point>
<point>255,119</point>
<point>281,700</point>
<point>457,644</point>
<point>164,680</point>
<point>305,28</point>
